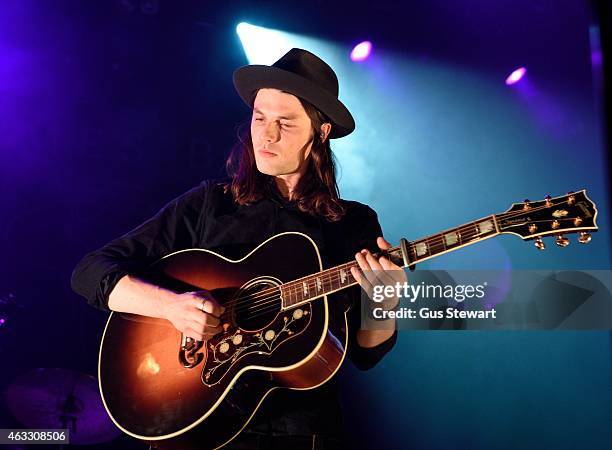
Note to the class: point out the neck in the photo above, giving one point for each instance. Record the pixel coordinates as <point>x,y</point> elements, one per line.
<point>408,254</point>
<point>287,184</point>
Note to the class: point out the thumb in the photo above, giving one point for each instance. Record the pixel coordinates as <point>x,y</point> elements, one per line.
<point>382,243</point>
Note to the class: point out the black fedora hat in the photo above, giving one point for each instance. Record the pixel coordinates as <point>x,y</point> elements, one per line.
<point>304,75</point>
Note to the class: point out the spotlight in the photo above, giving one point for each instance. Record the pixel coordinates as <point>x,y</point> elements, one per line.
<point>516,76</point>
<point>361,51</point>
<point>242,27</point>
<point>263,45</point>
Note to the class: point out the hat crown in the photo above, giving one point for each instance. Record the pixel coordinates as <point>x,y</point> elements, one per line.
<point>304,75</point>
<point>307,65</point>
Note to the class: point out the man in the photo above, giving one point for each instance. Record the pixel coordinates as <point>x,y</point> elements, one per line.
<point>282,178</point>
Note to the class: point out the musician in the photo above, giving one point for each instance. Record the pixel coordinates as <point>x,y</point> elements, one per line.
<point>281,178</point>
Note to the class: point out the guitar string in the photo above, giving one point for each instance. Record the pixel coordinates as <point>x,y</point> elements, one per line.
<point>264,293</point>
<point>271,305</point>
<point>260,297</point>
<point>270,302</point>
<point>439,238</point>
<point>335,282</point>
<point>466,236</point>
<point>431,240</point>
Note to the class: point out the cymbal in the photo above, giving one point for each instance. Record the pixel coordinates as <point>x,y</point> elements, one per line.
<point>61,398</point>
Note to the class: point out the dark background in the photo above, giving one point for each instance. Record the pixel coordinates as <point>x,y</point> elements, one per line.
<point>110,109</point>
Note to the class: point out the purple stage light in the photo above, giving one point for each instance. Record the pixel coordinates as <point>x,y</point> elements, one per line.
<point>516,76</point>
<point>361,51</point>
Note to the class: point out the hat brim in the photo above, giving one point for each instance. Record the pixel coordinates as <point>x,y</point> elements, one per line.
<point>249,79</point>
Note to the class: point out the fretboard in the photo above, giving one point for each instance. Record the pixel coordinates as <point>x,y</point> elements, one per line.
<point>336,278</point>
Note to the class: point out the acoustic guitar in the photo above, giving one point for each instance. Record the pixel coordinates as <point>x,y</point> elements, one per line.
<point>174,392</point>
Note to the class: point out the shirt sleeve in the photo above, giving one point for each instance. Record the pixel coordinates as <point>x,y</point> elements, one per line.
<point>176,226</point>
<point>365,358</point>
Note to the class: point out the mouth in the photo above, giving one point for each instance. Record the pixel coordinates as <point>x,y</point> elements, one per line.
<point>266,153</point>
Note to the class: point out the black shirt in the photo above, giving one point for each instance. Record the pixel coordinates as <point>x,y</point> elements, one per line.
<point>207,217</point>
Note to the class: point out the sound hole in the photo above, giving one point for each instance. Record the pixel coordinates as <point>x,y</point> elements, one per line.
<point>257,304</point>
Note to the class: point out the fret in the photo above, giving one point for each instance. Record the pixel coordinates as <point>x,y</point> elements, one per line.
<point>327,281</point>
<point>441,237</point>
<point>495,223</point>
<point>339,277</point>
<point>332,280</point>
<point>293,294</point>
<point>312,287</point>
<point>435,247</point>
<point>286,293</point>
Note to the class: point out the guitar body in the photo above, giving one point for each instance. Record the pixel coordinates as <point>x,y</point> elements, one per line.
<point>156,391</point>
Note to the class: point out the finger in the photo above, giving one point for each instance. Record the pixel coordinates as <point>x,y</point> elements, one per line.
<point>213,308</point>
<point>206,303</point>
<point>205,332</point>
<point>366,270</point>
<point>204,319</point>
<point>362,280</point>
<point>198,321</point>
<point>372,261</point>
<point>379,272</point>
<point>361,260</point>
<point>382,243</point>
<point>387,265</point>
<point>211,320</point>
<point>193,334</point>
<point>397,273</point>
<point>356,274</point>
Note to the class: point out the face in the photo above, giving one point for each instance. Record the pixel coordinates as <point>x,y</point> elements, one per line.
<point>281,132</point>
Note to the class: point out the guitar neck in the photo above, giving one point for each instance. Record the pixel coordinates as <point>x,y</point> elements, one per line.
<point>311,287</point>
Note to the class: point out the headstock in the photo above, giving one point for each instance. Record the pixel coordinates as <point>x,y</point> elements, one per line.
<point>553,216</point>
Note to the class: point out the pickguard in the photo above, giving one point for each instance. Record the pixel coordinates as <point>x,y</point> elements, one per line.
<point>230,347</point>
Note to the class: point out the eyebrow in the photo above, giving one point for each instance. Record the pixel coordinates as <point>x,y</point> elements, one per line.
<point>288,117</point>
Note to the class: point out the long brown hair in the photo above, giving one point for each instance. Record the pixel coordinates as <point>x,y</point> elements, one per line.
<point>317,190</point>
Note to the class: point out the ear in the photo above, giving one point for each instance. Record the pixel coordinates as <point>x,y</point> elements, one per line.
<point>325,130</point>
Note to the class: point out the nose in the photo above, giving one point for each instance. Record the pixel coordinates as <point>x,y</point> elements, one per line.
<point>271,133</point>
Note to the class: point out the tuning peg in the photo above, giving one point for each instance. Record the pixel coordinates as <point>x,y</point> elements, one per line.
<point>539,243</point>
<point>526,204</point>
<point>562,241</point>
<point>548,202</point>
<point>585,237</point>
